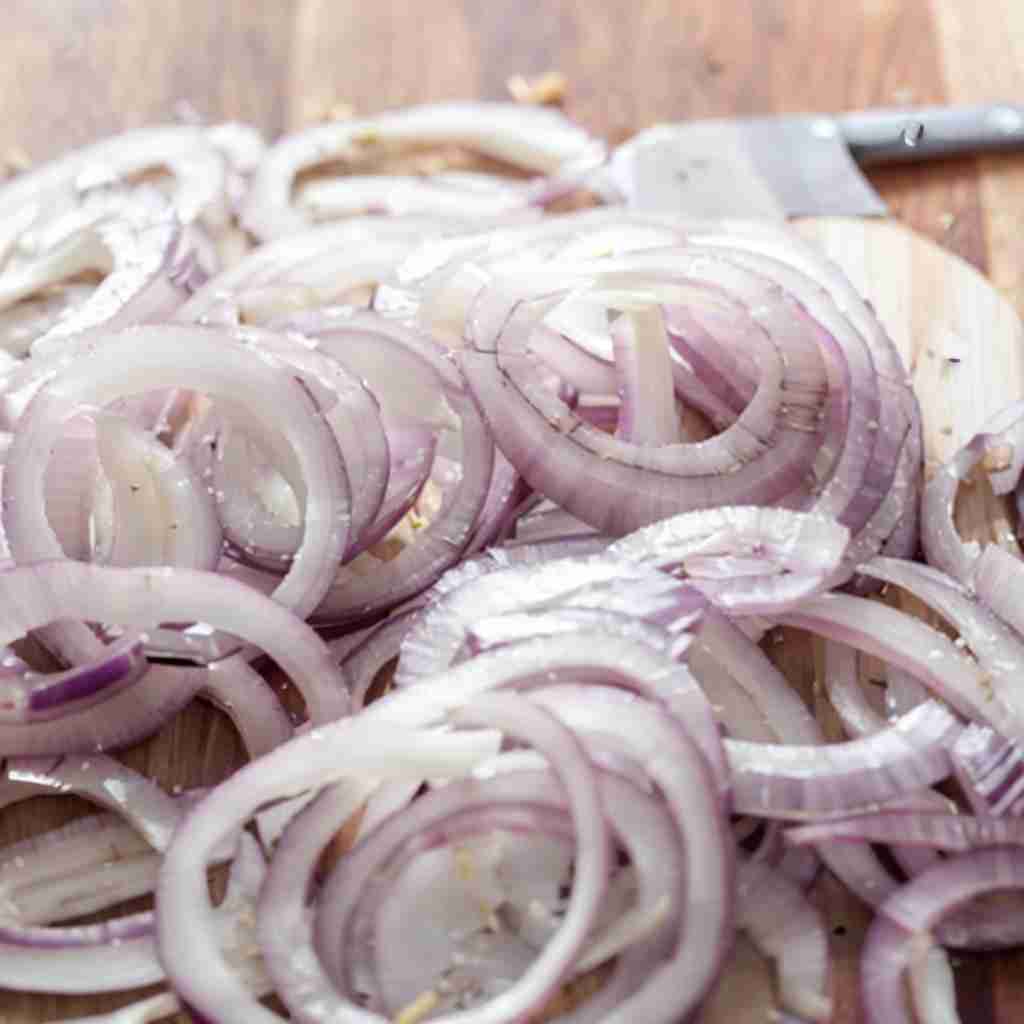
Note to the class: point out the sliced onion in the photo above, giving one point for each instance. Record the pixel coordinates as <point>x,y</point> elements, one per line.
<point>354,599</point>
<point>162,514</point>
<point>790,781</point>
<point>188,945</point>
<point>845,693</point>
<point>140,359</point>
<point>932,984</point>
<point>30,697</point>
<point>942,544</point>
<point>591,866</point>
<point>458,457</point>
<point>436,639</point>
<point>533,138</point>
<point>928,655</point>
<point>238,690</point>
<point>124,715</point>
<point>131,958</point>
<point>989,770</point>
<point>441,195</point>
<point>615,486</point>
<point>315,268</point>
<point>957,833</point>
<point>682,981</point>
<point>791,554</point>
<point>146,598</point>
<point>784,926</point>
<point>917,908</point>
<point>353,415</point>
<point>194,155</point>
<point>284,922</point>
<point>999,650</point>
<point>363,660</point>
<point>997,579</point>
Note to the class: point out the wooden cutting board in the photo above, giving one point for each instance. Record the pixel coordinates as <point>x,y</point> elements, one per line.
<point>83,68</point>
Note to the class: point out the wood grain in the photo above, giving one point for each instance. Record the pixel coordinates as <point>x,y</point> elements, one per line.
<point>75,70</point>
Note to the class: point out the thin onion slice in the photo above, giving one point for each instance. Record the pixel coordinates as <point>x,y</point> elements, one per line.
<point>533,138</point>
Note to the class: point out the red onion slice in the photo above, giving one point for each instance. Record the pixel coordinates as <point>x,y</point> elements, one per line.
<point>792,554</point>
<point>877,415</point>
<point>284,922</point>
<point>907,642</point>
<point>534,138</point>
<point>140,359</point>
<point>533,725</point>
<point>313,268</point>
<point>486,634</point>
<point>362,661</point>
<point>435,640</point>
<point>846,694</point>
<point>664,748</point>
<point>238,690</point>
<point>146,598</point>
<point>932,983</point>
<point>130,958</point>
<point>524,886</point>
<point>162,513</point>
<point>794,781</point>
<point>34,871</point>
<point>351,412</point>
<point>188,945</point>
<point>999,650</point>
<point>997,580</point>
<point>628,663</point>
<point>988,768</point>
<point>27,697</point>
<point>122,717</point>
<point>441,195</point>
<point>954,833</point>
<point>784,926</point>
<point>105,781</point>
<point>916,909</point>
<point>354,598</point>
<point>644,368</point>
<point>137,243</point>
<point>1006,460</point>
<point>499,517</point>
<point>943,546</point>
<point>615,486</point>
<point>718,642</point>
<point>195,156</point>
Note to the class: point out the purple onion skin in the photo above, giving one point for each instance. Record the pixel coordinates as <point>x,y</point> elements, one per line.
<point>84,684</point>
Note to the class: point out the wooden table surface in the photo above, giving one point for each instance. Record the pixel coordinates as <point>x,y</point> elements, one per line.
<point>74,70</point>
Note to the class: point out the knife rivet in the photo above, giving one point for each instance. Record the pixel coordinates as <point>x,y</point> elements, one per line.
<point>912,134</point>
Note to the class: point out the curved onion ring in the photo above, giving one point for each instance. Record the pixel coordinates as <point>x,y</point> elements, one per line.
<point>136,360</point>
<point>534,138</point>
<point>916,909</point>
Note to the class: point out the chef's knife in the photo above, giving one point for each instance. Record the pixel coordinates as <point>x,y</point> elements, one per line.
<point>798,165</point>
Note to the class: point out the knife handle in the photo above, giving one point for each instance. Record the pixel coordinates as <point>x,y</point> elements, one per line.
<point>928,133</point>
